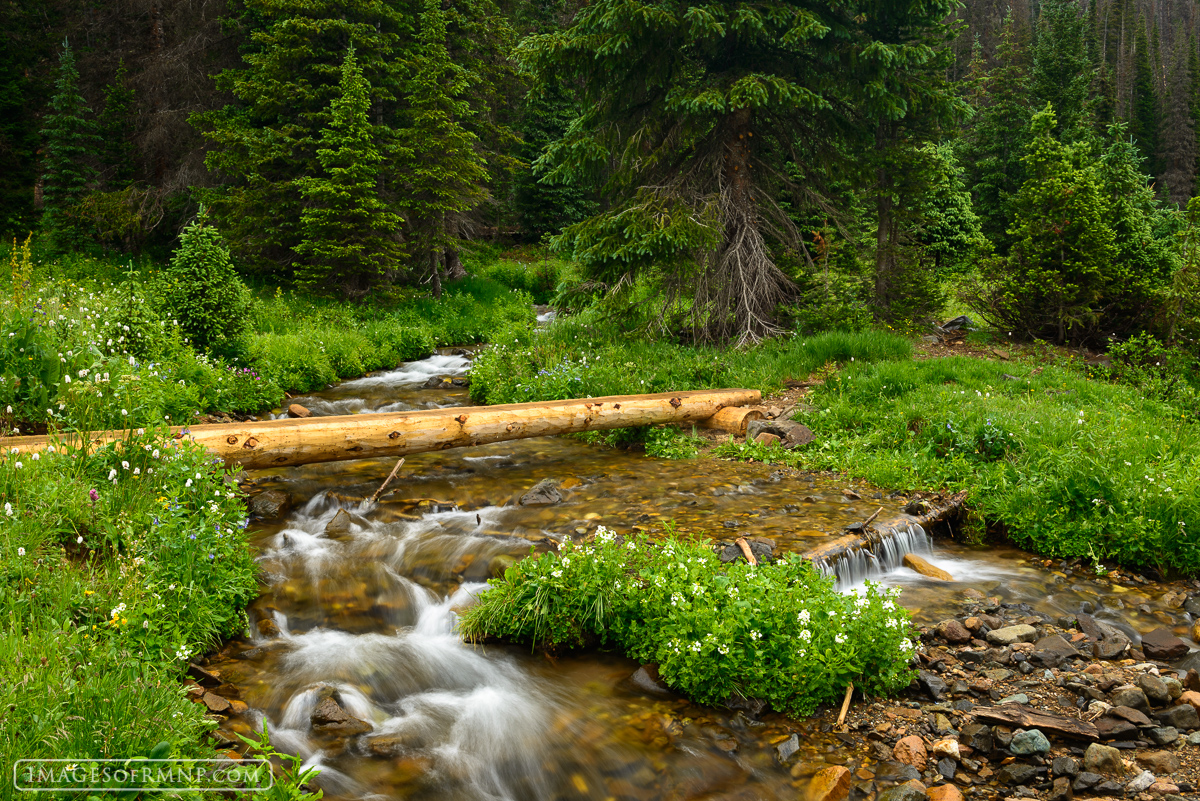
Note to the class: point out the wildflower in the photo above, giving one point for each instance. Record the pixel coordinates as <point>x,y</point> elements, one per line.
<point>187,483</point>
<point>112,476</point>
<point>8,509</point>
<point>79,540</point>
<point>839,639</point>
<point>806,635</point>
<point>20,552</point>
<point>803,617</point>
<point>95,496</point>
<point>124,465</point>
<point>18,465</point>
<point>145,624</point>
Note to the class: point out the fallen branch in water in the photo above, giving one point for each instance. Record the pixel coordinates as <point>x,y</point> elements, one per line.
<point>387,480</point>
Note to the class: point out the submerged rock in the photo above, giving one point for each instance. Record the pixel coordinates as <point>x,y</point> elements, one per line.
<point>328,717</point>
<point>919,565</point>
<point>829,784</point>
<point>544,493</point>
<point>298,411</point>
<point>270,504</point>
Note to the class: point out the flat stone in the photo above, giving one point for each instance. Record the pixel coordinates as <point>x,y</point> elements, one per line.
<point>1164,735</point>
<point>1029,742</point>
<point>1102,759</point>
<point>829,784</point>
<point>1086,781</point>
<point>215,703</point>
<point>1012,634</point>
<point>1115,729</point>
<point>1155,689</point>
<point>767,438</point>
<point>1052,651</point>
<point>1160,762</point>
<point>1130,714</point>
<point>1182,717</point>
<point>910,750</point>
<point>953,632</point>
<point>1140,782</point>
<point>920,565</point>
<point>1162,787</point>
<point>1019,698</point>
<point>1016,773</point>
<point>1164,646</point>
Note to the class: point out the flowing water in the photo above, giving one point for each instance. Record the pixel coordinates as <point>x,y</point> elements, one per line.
<point>360,605</point>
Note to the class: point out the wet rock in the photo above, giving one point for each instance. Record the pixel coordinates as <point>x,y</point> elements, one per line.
<point>1155,689</point>
<point>788,748</point>
<point>946,768</point>
<point>1064,766</point>
<point>1086,781</point>
<point>953,632</point>
<point>390,745</point>
<point>919,565</point>
<point>1130,696</point>
<point>267,628</point>
<point>1012,634</point>
<point>1029,742</point>
<point>1182,717</point>
<point>1161,644</point>
<point>1052,651</point>
<point>1140,782</point>
<point>270,504</point>
<point>1060,790</point>
<point>500,563</point>
<point>215,703</point>
<point>1103,759</point>
<point>910,750</point>
<point>544,493</point>
<point>932,684</point>
<point>328,717</point>
<point>438,382</point>
<point>339,526</point>
<point>298,411</point>
<point>902,792</point>
<point>1165,735</point>
<point>1016,773</point>
<point>829,784</point>
<point>944,792</point>
<point>977,737</point>
<point>646,678</point>
<point>1160,762</point>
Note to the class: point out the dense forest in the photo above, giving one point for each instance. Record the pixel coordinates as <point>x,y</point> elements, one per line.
<point>730,169</point>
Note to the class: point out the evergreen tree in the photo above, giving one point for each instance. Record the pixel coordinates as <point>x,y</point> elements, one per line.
<point>447,175</point>
<point>695,119</point>
<point>116,130</point>
<point>70,144</point>
<point>545,207</point>
<point>998,137</point>
<point>950,234</point>
<point>1061,72</point>
<point>349,236</point>
<point>1177,134</point>
<point>1143,121</point>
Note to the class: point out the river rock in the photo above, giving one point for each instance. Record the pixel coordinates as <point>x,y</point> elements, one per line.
<point>298,411</point>
<point>944,792</point>
<point>270,504</point>
<point>1155,689</point>
<point>1065,766</point>
<point>215,703</point>
<point>328,717</point>
<point>910,750</point>
<point>267,628</point>
<point>1115,729</point>
<point>932,684</point>
<point>1190,697</point>
<point>1182,717</point>
<point>646,678</point>
<point>1174,686</point>
<point>953,632</point>
<point>1086,781</point>
<point>1191,681</point>
<point>339,526</point>
<point>793,435</point>
<point>919,565</point>
<point>947,748</point>
<point>829,784</point>
<point>1161,762</point>
<point>1103,759</point>
<point>1162,735</point>
<point>1130,696</point>
<point>1029,742</point>
<point>1052,651</point>
<point>788,748</point>
<point>767,438</point>
<point>500,563</point>
<point>977,737</point>
<point>1162,645</point>
<point>543,493</point>
<point>1060,790</point>
<point>1016,773</point>
<point>1012,634</point>
<point>1130,714</point>
<point>902,792</point>
<point>1140,782</point>
<point>1162,787</point>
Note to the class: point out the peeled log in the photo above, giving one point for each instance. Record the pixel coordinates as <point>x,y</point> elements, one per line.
<point>732,419</point>
<point>279,443</point>
<point>914,562</point>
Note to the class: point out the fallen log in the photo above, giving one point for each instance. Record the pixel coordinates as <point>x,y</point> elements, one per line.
<point>733,419</point>
<point>1048,723</point>
<point>871,535</point>
<point>279,443</point>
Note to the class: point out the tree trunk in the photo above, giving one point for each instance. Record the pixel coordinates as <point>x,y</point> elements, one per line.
<point>454,266</point>
<point>435,264</point>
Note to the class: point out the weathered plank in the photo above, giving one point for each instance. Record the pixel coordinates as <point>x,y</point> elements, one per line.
<point>1047,722</point>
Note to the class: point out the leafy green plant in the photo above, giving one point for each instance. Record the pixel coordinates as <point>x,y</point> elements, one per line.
<point>777,631</point>
<point>291,778</point>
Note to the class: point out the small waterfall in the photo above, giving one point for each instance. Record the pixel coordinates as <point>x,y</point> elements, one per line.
<point>852,568</point>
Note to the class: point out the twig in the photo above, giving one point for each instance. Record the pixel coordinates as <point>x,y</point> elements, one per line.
<point>745,546</point>
<point>871,519</point>
<point>783,415</point>
<point>387,480</point>
<point>845,704</point>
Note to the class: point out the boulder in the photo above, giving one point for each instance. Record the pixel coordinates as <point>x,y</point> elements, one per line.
<point>829,784</point>
<point>919,565</point>
<point>1155,689</point>
<point>953,632</point>
<point>544,493</point>
<point>1025,743</point>
<point>910,750</point>
<point>267,628</point>
<point>1102,759</point>
<point>1182,717</point>
<point>1164,646</point>
<point>328,717</point>
<point>1052,651</point>
<point>298,411</point>
<point>1012,634</point>
<point>500,563</point>
<point>339,526</point>
<point>270,504</point>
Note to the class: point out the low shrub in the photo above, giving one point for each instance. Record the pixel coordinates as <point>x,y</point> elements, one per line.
<point>779,632</point>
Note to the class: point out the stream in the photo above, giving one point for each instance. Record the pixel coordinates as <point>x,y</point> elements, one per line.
<point>360,599</point>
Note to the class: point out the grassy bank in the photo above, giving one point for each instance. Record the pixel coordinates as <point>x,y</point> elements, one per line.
<point>115,567</point>
<point>1064,462</point>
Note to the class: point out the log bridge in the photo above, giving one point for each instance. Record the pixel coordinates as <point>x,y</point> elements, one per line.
<point>285,442</point>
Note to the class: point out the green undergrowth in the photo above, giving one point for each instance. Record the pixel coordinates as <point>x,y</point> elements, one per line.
<point>1065,464</point>
<point>115,567</point>
<point>778,632</point>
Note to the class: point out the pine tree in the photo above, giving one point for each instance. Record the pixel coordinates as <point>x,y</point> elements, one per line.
<point>950,232</point>
<point>70,144</point>
<point>1061,71</point>
<point>349,236</point>
<point>1143,121</point>
<point>116,130</point>
<point>1177,134</point>
<point>447,175</point>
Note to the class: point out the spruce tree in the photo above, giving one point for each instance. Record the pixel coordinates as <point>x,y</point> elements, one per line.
<point>349,236</point>
<point>1177,134</point>
<point>1143,122</point>
<point>70,144</point>
<point>1061,71</point>
<point>446,174</point>
<point>116,130</point>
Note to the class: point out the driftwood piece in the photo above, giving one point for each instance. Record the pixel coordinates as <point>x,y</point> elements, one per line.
<point>278,443</point>
<point>1048,723</point>
<point>745,546</point>
<point>846,704</point>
